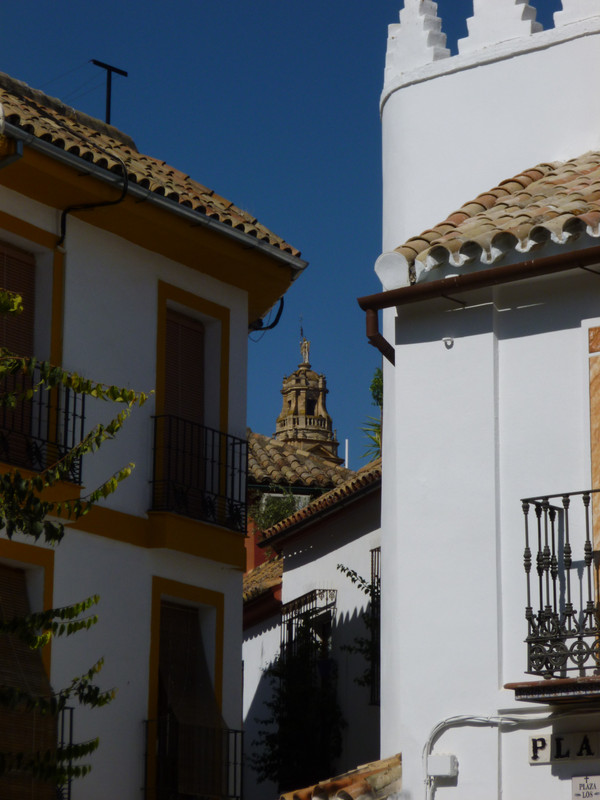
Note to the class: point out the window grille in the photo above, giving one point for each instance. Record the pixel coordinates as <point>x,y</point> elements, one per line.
<point>375,624</point>
<point>306,624</point>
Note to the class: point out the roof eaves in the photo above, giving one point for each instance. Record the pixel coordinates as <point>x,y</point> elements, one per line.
<point>327,504</point>
<point>74,161</point>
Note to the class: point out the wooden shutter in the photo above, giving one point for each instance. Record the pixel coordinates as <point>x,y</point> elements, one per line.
<point>17,274</point>
<point>21,667</point>
<point>190,755</point>
<point>184,373</point>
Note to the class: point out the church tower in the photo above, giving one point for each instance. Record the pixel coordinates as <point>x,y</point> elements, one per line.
<point>304,420</point>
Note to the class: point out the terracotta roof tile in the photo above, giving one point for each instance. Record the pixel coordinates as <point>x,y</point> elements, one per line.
<point>282,463</point>
<point>81,135</point>
<point>556,201</point>
<point>262,578</point>
<point>375,781</point>
<point>365,477</point>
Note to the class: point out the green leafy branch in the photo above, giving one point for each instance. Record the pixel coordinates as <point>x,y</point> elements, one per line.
<point>53,622</point>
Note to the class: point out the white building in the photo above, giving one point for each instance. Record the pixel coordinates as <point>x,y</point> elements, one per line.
<point>150,282</point>
<point>302,589</point>
<point>491,319</point>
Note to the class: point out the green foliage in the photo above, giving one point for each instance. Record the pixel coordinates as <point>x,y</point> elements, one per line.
<point>300,739</point>
<point>24,510</point>
<point>377,387</point>
<point>364,645</point>
<point>372,427</point>
<point>269,509</point>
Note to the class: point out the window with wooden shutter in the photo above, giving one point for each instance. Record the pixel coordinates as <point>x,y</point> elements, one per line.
<point>17,274</point>
<point>181,436</point>
<point>22,730</point>
<point>190,727</point>
<point>184,373</point>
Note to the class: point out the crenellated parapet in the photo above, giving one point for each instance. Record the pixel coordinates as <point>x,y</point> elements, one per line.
<point>576,11</point>
<point>499,21</point>
<point>417,40</point>
<point>417,49</point>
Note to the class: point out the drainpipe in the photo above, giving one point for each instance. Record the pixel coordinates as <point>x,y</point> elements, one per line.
<point>446,287</point>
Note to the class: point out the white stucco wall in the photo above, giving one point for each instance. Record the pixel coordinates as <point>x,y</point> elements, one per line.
<point>260,648</point>
<point>497,412</point>
<point>500,414</point>
<point>310,562</point>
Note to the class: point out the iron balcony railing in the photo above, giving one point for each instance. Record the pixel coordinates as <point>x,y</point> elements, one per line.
<point>562,592</point>
<point>192,762</point>
<point>199,472</point>
<point>37,432</point>
<point>375,626</point>
<point>65,740</point>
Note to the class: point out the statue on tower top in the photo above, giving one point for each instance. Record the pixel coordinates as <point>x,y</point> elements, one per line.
<point>305,349</point>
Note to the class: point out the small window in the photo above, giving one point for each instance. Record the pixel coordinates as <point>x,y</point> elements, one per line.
<point>306,624</point>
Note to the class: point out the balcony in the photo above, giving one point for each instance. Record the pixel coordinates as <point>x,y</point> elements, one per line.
<point>199,472</point>
<point>191,762</point>
<point>39,431</point>
<point>562,612</point>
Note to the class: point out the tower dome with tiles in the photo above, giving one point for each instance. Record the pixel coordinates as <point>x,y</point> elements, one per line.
<point>304,420</point>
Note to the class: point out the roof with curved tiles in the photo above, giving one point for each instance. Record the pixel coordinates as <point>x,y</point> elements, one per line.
<point>552,202</point>
<point>275,463</point>
<point>366,479</point>
<point>92,140</point>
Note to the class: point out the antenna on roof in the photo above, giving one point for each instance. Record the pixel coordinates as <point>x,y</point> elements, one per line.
<point>109,71</point>
<point>301,329</point>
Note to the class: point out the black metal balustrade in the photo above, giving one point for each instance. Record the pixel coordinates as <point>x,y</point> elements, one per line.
<point>375,626</point>
<point>199,472</point>
<point>192,762</point>
<point>37,432</point>
<point>564,628</point>
<point>65,739</point>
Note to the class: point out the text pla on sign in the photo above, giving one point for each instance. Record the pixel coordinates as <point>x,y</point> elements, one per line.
<point>547,748</point>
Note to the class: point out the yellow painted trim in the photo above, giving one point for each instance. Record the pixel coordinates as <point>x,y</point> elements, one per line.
<point>196,595</point>
<point>198,538</point>
<point>27,231</point>
<point>168,531</point>
<point>166,293</point>
<point>39,557</point>
<point>54,494</point>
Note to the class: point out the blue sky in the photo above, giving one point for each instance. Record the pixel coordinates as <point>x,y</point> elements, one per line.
<point>275,106</point>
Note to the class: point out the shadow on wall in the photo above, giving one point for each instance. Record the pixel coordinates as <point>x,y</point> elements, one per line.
<point>309,719</point>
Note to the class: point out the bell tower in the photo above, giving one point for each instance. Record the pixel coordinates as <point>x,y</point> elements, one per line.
<point>304,420</point>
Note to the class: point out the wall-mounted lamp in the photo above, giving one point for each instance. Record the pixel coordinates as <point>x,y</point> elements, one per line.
<point>448,342</point>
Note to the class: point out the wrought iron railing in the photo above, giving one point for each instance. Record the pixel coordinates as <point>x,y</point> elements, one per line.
<point>375,625</point>
<point>306,624</point>
<point>192,762</point>
<point>562,599</point>
<point>199,472</point>
<point>40,430</point>
<point>65,740</point>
